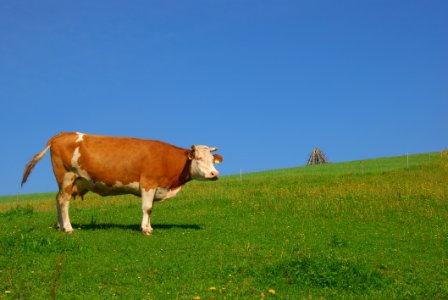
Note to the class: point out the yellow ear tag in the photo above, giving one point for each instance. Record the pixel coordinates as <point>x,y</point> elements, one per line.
<point>217,161</point>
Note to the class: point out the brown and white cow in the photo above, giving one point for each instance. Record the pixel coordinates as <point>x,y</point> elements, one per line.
<point>108,165</point>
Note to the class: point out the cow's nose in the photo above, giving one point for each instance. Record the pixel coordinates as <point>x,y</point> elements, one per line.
<point>214,173</point>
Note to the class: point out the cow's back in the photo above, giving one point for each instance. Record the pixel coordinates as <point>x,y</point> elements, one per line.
<point>113,160</point>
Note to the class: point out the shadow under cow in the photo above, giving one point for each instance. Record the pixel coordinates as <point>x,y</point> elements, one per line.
<point>134,227</point>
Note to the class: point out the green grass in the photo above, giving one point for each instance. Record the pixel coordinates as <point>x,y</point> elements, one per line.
<point>19,199</point>
<point>370,229</point>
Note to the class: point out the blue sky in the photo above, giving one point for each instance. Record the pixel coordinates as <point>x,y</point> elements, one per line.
<point>264,81</point>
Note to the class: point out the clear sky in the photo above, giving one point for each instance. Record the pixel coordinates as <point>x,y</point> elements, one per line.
<point>264,81</point>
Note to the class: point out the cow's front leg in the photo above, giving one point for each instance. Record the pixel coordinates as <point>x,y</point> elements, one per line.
<point>147,202</point>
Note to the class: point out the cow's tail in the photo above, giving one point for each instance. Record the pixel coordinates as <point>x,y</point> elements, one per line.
<point>34,161</point>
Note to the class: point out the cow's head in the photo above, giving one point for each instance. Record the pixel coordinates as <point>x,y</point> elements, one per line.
<point>202,161</point>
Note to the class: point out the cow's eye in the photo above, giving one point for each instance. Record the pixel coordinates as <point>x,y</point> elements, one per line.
<point>199,158</point>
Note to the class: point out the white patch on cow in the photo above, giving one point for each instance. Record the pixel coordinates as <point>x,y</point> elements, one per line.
<point>69,179</point>
<point>75,158</point>
<point>202,166</point>
<point>76,166</point>
<point>133,187</point>
<point>164,194</point>
<point>80,137</point>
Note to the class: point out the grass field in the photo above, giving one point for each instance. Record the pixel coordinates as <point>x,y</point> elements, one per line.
<point>375,229</point>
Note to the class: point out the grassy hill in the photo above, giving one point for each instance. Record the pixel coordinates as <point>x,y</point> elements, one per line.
<point>363,229</point>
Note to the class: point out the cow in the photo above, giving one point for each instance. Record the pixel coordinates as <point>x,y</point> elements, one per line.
<point>105,165</point>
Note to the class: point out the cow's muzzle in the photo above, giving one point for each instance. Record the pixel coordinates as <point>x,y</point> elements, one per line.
<point>214,175</point>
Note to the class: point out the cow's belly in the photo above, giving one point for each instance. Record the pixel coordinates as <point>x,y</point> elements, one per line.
<point>164,194</point>
<point>84,185</point>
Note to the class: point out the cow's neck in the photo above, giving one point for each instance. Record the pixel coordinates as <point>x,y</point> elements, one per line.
<point>185,176</point>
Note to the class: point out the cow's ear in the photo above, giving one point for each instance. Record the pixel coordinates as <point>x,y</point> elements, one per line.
<point>213,149</point>
<point>217,158</point>
<point>191,153</point>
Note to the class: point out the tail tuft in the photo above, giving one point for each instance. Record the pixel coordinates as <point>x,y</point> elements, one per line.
<point>29,167</point>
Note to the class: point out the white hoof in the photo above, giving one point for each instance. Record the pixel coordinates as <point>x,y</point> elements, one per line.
<point>147,230</point>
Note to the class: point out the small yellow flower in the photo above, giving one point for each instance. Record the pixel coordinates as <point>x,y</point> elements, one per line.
<point>196,297</point>
<point>271,291</point>
<point>212,288</point>
<point>7,292</point>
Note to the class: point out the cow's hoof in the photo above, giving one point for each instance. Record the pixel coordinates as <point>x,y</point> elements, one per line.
<point>66,231</point>
<point>61,229</point>
<point>147,231</point>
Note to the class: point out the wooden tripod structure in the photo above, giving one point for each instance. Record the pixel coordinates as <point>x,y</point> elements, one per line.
<point>317,157</point>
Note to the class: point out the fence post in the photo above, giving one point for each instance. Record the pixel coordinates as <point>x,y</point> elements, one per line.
<point>407,160</point>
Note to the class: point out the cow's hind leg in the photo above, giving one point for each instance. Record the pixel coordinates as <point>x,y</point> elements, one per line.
<point>62,205</point>
<point>147,202</point>
<point>63,202</point>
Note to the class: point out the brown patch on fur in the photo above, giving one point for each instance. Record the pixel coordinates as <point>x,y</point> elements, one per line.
<point>110,160</point>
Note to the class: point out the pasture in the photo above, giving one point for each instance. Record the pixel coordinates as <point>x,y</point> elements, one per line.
<point>373,229</point>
